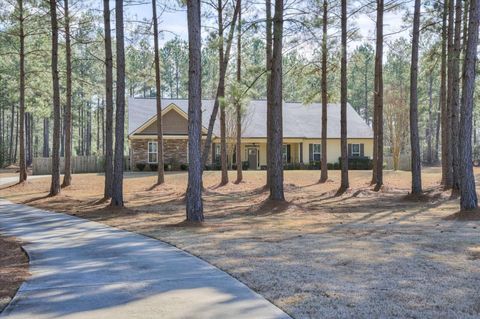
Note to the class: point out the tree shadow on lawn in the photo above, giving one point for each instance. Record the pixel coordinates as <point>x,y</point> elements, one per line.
<point>465,216</point>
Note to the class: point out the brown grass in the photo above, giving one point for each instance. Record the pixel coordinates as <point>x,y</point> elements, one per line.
<point>13,269</point>
<point>361,254</point>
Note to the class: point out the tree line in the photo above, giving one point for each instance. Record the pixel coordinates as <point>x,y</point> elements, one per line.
<point>425,82</point>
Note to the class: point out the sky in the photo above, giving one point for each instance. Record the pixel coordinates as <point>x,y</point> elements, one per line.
<point>174,23</point>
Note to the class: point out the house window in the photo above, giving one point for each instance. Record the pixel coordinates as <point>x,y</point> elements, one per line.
<point>286,153</point>
<point>355,149</point>
<point>217,153</point>
<point>317,152</point>
<point>152,152</point>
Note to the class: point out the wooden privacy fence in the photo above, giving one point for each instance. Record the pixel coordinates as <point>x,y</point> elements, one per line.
<point>404,162</point>
<point>80,164</point>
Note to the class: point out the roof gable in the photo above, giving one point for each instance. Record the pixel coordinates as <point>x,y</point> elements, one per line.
<point>175,122</point>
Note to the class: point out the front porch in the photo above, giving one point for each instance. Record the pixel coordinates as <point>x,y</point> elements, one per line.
<point>254,154</point>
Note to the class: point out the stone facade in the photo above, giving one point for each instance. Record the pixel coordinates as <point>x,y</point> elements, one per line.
<point>175,152</point>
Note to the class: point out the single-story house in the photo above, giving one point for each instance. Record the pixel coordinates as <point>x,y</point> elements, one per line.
<point>301,132</point>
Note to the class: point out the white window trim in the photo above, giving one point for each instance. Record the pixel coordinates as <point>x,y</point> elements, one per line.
<point>356,154</point>
<point>148,152</point>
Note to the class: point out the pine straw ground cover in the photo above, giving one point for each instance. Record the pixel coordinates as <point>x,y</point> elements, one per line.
<point>13,269</point>
<point>358,255</point>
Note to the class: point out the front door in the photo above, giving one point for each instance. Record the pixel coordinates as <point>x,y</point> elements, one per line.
<point>252,158</point>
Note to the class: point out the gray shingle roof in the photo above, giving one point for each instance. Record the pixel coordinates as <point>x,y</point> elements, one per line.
<point>299,120</point>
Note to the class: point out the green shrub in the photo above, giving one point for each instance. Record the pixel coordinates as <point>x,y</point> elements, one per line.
<point>358,163</point>
<point>153,167</point>
<point>184,167</point>
<point>140,166</point>
<point>315,165</point>
<point>245,165</point>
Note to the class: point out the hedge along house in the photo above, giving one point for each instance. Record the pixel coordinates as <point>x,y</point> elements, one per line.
<point>301,133</point>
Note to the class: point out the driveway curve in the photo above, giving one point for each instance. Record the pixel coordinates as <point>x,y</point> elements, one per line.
<point>83,269</point>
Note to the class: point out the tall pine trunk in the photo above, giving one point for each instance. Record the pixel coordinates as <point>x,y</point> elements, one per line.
<point>344,185</point>
<point>238,106</point>
<point>194,207</point>
<point>158,94</point>
<point>22,163</point>
<point>97,119</point>
<point>108,190</point>
<point>268,59</point>
<point>67,178</point>
<point>55,185</point>
<point>46,138</point>
<point>221,96</point>
<point>455,99</point>
<point>429,126</point>
<point>414,138</point>
<point>117,194</point>
<point>324,166</point>
<point>468,194</point>
<point>378,98</point>
<point>449,89</point>
<point>446,176</point>
<point>11,158</point>
<point>276,171</point>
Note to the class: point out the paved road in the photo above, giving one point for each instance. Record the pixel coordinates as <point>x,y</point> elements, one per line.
<point>83,269</point>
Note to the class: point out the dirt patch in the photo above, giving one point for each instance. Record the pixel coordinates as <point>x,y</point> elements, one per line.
<point>13,269</point>
<point>361,254</point>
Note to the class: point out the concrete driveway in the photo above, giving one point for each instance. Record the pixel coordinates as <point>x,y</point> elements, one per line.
<point>83,269</point>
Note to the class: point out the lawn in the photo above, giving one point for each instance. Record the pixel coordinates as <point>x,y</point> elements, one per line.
<point>13,269</point>
<point>362,254</point>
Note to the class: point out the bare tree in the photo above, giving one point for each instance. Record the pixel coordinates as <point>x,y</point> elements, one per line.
<point>117,194</point>
<point>468,194</point>
<point>221,84</point>
<point>414,138</point>
<point>67,177</point>
<point>344,185</point>
<point>194,207</point>
<point>55,185</point>
<point>324,166</point>
<point>108,102</point>
<point>276,171</point>
<point>158,94</point>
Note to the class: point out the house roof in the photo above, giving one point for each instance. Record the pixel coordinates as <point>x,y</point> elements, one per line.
<point>299,120</point>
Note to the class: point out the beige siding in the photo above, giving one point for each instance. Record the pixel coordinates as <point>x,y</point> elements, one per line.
<point>333,148</point>
<point>173,124</point>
